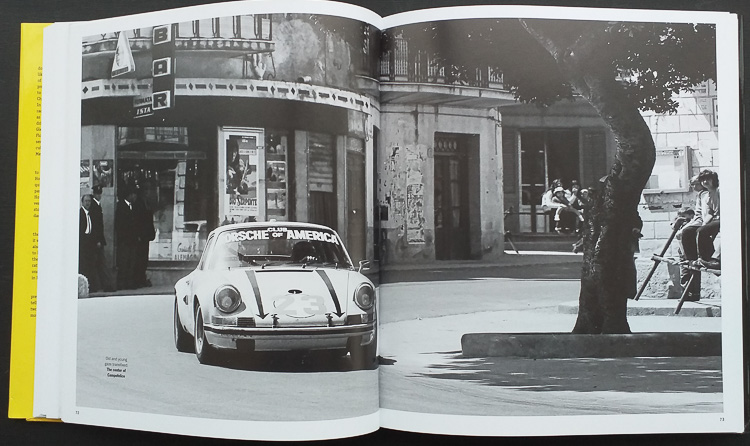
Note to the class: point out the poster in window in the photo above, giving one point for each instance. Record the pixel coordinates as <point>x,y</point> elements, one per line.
<point>276,201</point>
<point>241,195</point>
<point>85,173</point>
<point>276,172</point>
<point>103,173</point>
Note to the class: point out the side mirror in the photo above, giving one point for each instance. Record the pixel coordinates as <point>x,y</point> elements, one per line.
<point>364,265</point>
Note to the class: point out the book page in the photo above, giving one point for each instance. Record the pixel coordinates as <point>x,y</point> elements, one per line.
<point>216,165</point>
<point>507,306</point>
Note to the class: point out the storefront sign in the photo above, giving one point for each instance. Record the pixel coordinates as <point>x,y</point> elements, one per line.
<point>162,65</point>
<point>142,106</point>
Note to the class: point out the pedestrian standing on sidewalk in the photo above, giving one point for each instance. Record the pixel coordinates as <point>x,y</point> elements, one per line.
<point>87,240</point>
<point>126,238</point>
<point>145,233</point>
<point>103,278</point>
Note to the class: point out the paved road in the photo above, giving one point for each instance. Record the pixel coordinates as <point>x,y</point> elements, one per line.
<point>421,326</point>
<point>137,330</point>
<point>423,316</point>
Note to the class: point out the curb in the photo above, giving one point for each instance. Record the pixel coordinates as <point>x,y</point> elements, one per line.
<point>530,258</point>
<point>569,345</point>
<point>659,307</point>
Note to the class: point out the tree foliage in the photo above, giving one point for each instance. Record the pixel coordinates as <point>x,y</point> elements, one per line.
<point>652,61</point>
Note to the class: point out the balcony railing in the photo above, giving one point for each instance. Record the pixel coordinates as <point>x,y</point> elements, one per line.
<point>402,65</point>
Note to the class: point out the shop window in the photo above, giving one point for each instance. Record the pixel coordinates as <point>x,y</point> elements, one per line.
<point>356,193</point>
<point>277,188</point>
<point>322,205</point>
<point>171,181</point>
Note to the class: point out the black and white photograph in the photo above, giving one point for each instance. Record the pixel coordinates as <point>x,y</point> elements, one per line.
<point>232,240</point>
<point>594,146</point>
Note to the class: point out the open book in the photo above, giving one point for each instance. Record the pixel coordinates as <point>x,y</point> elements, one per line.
<point>298,220</point>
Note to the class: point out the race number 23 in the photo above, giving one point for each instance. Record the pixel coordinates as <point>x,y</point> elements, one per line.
<point>300,306</point>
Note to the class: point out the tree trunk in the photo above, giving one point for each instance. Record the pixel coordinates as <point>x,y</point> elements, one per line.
<point>612,224</point>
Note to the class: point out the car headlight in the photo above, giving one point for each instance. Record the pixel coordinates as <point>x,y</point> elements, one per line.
<point>364,296</point>
<point>227,298</point>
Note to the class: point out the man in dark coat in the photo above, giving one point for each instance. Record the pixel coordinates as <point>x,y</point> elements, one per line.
<point>103,277</point>
<point>87,241</point>
<point>145,232</point>
<point>127,238</point>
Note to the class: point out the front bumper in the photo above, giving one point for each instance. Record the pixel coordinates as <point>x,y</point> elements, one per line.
<point>290,338</point>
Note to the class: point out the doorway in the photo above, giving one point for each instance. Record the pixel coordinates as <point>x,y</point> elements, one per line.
<point>451,196</point>
<point>546,155</point>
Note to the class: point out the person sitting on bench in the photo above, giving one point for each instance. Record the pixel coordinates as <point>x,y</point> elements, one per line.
<point>698,235</point>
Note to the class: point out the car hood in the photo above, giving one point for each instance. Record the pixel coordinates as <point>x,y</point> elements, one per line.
<point>293,296</point>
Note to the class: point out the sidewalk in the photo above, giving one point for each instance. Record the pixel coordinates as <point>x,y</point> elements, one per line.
<point>660,307</point>
<point>510,259</point>
<point>646,306</point>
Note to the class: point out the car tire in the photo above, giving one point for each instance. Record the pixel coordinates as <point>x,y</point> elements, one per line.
<point>203,350</point>
<point>182,339</point>
<point>364,357</point>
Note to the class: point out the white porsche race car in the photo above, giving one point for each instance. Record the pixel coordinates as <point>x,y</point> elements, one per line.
<point>276,287</point>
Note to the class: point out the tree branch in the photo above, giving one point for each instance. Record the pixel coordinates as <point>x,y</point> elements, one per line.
<point>548,44</point>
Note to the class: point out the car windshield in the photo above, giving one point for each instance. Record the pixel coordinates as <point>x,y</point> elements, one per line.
<point>264,246</point>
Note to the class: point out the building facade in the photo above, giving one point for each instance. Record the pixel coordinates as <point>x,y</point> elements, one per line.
<point>458,165</point>
<point>277,117</point>
<point>265,117</point>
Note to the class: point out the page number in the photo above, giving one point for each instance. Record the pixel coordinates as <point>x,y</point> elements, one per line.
<point>721,419</point>
<point>78,413</point>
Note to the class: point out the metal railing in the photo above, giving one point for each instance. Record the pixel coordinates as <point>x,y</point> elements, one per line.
<point>402,64</point>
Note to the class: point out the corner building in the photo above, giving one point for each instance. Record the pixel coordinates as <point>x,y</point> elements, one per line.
<point>270,118</point>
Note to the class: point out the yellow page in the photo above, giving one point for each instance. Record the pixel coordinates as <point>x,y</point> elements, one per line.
<point>21,390</point>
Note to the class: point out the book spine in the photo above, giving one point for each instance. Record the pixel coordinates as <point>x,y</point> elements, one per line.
<point>21,390</point>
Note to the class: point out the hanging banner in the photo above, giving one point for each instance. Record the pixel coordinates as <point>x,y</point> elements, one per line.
<point>123,62</point>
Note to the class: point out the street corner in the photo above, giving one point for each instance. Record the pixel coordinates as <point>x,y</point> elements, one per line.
<point>569,345</point>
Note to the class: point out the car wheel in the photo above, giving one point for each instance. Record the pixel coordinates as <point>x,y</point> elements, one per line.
<point>363,357</point>
<point>203,350</point>
<point>182,339</point>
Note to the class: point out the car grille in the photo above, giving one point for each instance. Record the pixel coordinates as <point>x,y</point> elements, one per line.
<point>245,322</point>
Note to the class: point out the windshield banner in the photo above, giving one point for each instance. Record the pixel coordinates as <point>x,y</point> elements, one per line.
<point>281,233</point>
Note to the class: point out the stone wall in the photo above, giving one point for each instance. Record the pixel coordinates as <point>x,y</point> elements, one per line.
<point>693,127</point>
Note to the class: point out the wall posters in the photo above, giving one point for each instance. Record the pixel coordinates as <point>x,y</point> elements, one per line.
<point>85,173</point>
<point>241,193</point>
<point>102,171</point>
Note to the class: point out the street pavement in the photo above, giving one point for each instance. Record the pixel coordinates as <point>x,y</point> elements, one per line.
<point>424,310</point>
<point>151,376</point>
<point>424,315</point>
